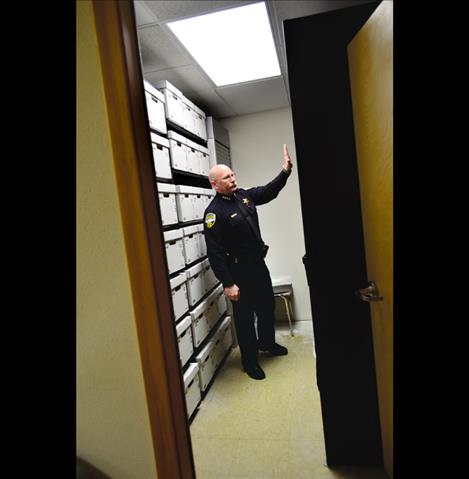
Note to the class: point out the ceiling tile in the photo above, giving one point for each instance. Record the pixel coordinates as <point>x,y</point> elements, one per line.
<point>183,78</point>
<point>159,50</point>
<point>255,96</point>
<point>143,14</point>
<point>210,102</point>
<point>166,11</point>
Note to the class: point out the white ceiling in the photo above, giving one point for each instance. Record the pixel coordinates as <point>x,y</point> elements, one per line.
<point>164,58</point>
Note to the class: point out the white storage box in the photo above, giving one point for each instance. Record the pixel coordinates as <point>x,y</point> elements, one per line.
<point>199,202</point>
<point>200,324</point>
<point>206,199</point>
<point>199,123</point>
<point>210,280</point>
<point>168,207</point>
<point>223,341</point>
<point>188,115</point>
<point>161,159</point>
<point>211,311</point>
<point>179,295</point>
<point>185,202</point>
<point>156,108</point>
<point>192,388</point>
<point>178,149</point>
<point>185,344</point>
<point>226,334</point>
<point>201,239</point>
<point>191,240</point>
<point>204,157</point>
<point>195,283</point>
<point>174,244</point>
<point>217,352</point>
<point>193,157</point>
<point>222,305</point>
<point>206,366</point>
<point>209,194</point>
<point>193,161</point>
<point>174,108</point>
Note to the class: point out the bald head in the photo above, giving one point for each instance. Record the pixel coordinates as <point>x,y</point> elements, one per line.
<point>222,179</point>
<point>218,171</point>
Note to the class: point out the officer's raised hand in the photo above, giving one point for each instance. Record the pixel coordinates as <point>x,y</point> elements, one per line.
<point>232,292</point>
<point>287,165</point>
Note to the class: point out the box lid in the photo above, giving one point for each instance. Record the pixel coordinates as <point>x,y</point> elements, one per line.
<point>190,230</point>
<point>184,189</point>
<point>198,190</point>
<point>199,111</point>
<point>172,235</point>
<point>159,139</point>
<point>178,280</point>
<point>205,351</point>
<point>190,373</point>
<point>177,137</point>
<point>196,312</point>
<point>166,188</point>
<point>183,325</point>
<point>188,102</point>
<point>193,144</point>
<point>225,323</point>
<point>162,84</point>
<point>191,272</point>
<point>153,91</point>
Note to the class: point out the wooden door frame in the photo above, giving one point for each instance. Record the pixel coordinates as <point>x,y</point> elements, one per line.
<point>141,221</point>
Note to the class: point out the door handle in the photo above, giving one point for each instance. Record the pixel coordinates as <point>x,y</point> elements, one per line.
<point>369,293</point>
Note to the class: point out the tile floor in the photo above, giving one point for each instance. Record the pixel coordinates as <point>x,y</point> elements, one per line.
<point>269,429</point>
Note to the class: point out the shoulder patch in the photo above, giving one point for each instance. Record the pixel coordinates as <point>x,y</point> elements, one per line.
<point>210,219</point>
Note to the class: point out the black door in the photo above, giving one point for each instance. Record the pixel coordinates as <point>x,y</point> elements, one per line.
<point>316,48</point>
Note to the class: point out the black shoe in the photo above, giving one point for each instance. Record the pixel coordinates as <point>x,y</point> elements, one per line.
<point>276,350</point>
<point>255,372</point>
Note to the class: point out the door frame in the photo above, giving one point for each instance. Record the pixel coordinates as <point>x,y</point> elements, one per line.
<point>143,235</point>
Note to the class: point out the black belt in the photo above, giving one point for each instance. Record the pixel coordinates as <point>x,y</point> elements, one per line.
<point>248,258</point>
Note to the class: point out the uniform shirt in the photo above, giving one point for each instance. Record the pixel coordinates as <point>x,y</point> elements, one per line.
<point>231,226</point>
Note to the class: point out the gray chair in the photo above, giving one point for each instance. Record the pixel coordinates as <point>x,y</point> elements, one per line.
<point>283,288</point>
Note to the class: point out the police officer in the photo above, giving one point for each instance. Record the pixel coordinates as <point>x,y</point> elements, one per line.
<point>236,254</point>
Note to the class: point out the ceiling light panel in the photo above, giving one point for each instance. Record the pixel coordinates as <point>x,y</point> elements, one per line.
<point>232,46</point>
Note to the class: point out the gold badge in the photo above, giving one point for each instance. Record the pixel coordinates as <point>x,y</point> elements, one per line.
<point>246,201</point>
<point>210,219</point>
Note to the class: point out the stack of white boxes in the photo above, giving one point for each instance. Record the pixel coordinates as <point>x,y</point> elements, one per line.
<point>204,331</point>
<point>212,354</point>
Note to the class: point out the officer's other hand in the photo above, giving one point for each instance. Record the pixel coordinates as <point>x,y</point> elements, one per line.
<point>287,165</point>
<point>232,292</point>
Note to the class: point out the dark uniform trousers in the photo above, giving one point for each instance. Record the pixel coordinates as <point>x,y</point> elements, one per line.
<point>256,296</point>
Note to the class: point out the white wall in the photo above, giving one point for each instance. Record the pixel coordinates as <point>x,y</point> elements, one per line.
<point>256,143</point>
<point>112,423</point>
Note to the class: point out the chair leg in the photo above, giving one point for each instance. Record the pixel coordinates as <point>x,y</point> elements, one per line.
<point>288,314</point>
